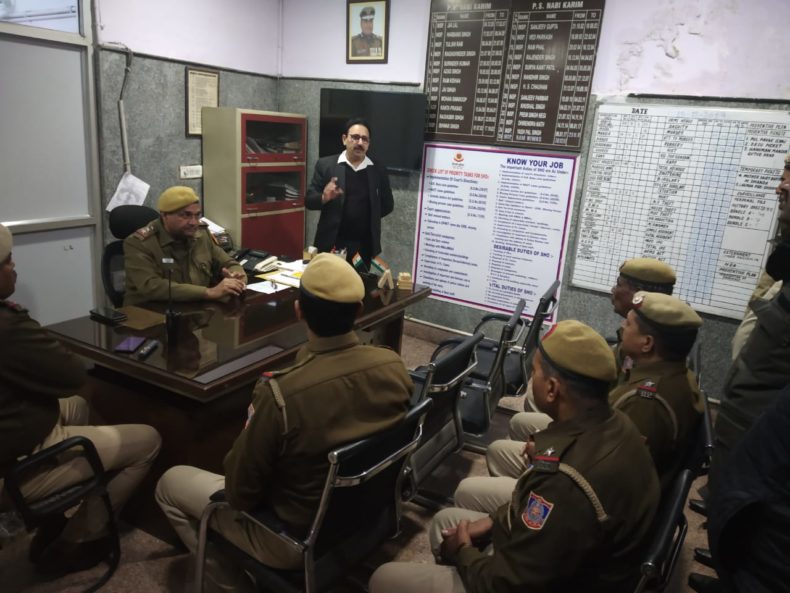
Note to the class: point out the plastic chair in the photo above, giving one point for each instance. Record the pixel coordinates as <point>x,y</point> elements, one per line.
<point>669,527</point>
<point>359,508</point>
<point>124,220</point>
<point>35,513</point>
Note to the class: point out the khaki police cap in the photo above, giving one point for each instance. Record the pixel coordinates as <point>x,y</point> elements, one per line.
<point>367,13</point>
<point>332,278</point>
<point>666,313</point>
<point>176,197</point>
<point>647,269</point>
<point>579,350</point>
<point>6,242</point>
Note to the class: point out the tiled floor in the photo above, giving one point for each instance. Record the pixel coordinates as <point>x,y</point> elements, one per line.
<point>152,566</point>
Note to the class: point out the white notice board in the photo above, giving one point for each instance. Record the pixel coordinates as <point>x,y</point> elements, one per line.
<point>492,224</point>
<point>690,186</point>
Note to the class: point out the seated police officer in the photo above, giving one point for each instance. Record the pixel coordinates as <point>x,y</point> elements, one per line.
<point>201,269</point>
<point>660,396</point>
<point>337,392</point>
<point>641,273</point>
<point>579,516</point>
<point>36,374</point>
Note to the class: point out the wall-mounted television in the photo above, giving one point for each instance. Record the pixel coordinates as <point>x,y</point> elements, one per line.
<point>397,122</point>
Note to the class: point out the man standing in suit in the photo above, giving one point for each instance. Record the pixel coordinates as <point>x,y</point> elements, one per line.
<point>353,194</point>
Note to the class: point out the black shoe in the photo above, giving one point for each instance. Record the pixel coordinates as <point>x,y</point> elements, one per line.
<point>703,556</point>
<point>63,557</point>
<point>704,584</point>
<point>46,533</point>
<point>699,506</point>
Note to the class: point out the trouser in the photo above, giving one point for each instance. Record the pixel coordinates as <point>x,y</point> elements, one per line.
<point>398,577</point>
<point>183,493</point>
<point>126,451</point>
<point>505,457</point>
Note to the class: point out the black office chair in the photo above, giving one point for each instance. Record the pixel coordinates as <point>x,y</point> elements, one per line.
<point>669,529</point>
<point>547,305</point>
<point>694,359</point>
<point>124,220</point>
<point>700,464</point>
<point>481,393</point>
<point>441,381</point>
<point>359,508</point>
<point>36,513</point>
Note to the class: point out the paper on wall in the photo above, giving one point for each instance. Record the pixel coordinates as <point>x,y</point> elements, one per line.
<point>130,190</point>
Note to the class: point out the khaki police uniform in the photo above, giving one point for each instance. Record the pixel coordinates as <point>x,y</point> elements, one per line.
<point>36,373</point>
<point>503,456</point>
<point>663,400</point>
<point>576,521</point>
<point>338,391</point>
<point>366,46</point>
<point>578,517</point>
<point>198,264</point>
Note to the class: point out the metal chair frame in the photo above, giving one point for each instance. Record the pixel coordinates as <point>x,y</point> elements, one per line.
<point>334,480</point>
<point>34,513</point>
<point>670,527</point>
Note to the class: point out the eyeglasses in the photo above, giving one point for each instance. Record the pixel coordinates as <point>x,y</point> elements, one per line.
<point>359,138</point>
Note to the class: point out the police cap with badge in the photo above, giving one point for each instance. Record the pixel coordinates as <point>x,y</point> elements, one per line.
<point>667,315</point>
<point>646,273</point>
<point>177,197</point>
<point>331,278</point>
<point>579,352</point>
<point>367,13</point>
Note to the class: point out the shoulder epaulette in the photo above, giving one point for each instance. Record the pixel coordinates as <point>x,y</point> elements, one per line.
<point>547,462</point>
<point>647,390</point>
<point>13,306</point>
<point>267,375</point>
<point>144,232</point>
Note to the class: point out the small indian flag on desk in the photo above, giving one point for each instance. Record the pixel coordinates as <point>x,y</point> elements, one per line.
<point>357,261</point>
<point>380,264</point>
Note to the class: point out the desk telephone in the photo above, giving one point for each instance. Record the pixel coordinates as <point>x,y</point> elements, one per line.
<point>255,261</point>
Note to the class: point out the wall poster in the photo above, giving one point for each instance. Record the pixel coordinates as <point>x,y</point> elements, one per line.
<point>511,72</point>
<point>692,186</point>
<point>492,225</point>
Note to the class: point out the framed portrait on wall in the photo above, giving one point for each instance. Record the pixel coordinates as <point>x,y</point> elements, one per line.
<point>367,31</point>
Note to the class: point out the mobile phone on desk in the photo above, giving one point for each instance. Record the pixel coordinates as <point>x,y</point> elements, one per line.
<point>107,315</point>
<point>130,344</point>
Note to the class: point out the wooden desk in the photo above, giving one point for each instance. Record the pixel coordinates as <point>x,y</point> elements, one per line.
<point>196,389</point>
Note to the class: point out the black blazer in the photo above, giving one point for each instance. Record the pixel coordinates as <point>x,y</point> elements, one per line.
<point>381,201</point>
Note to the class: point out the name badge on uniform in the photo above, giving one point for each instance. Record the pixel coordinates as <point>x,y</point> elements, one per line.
<point>536,512</point>
<point>647,390</point>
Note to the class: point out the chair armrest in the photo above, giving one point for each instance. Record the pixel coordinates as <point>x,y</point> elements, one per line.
<point>49,455</point>
<point>33,512</point>
<point>219,496</point>
<point>444,345</point>
<point>268,519</point>
<point>264,516</point>
<point>491,317</point>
